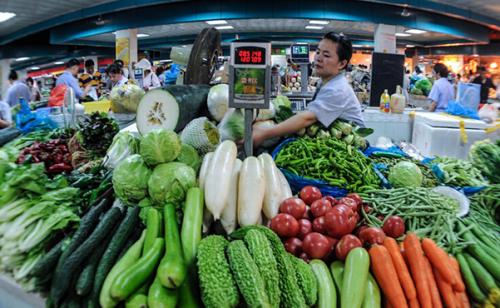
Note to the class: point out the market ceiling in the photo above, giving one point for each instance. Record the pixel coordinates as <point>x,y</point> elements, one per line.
<point>170,23</point>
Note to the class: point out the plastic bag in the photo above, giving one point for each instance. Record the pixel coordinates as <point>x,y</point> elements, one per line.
<point>455,108</point>
<point>28,121</point>
<point>56,98</point>
<point>489,112</point>
<point>469,95</point>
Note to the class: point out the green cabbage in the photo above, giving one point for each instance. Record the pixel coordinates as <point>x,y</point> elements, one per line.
<point>126,98</point>
<point>190,157</point>
<point>425,85</point>
<point>232,126</point>
<point>160,146</point>
<point>170,182</point>
<point>405,174</point>
<point>130,179</point>
<point>124,144</point>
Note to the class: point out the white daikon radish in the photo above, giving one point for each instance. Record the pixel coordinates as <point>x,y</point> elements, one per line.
<point>251,190</point>
<point>218,177</point>
<point>204,168</point>
<point>273,194</point>
<point>285,187</point>
<point>229,215</point>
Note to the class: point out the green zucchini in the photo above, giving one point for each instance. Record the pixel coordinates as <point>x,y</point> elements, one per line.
<point>128,259</point>
<point>327,296</point>
<point>64,275</point>
<point>137,301</point>
<point>472,287</point>
<point>153,225</point>
<point>355,277</point>
<point>485,280</point>
<point>188,297</point>
<point>172,271</point>
<point>486,260</point>
<point>136,275</point>
<point>119,240</point>
<point>337,269</point>
<point>47,263</point>
<point>372,294</point>
<point>192,224</point>
<point>161,297</point>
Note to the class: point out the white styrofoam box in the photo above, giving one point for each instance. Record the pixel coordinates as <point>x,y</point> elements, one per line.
<point>443,120</point>
<point>444,141</point>
<point>397,127</point>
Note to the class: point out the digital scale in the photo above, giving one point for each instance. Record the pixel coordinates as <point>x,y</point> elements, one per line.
<point>250,82</point>
<point>299,53</point>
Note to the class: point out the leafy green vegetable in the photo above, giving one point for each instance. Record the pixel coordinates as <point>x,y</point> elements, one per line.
<point>189,156</point>
<point>405,174</point>
<point>283,108</point>
<point>485,156</point>
<point>232,126</point>
<point>130,179</point>
<point>170,182</point>
<point>459,173</point>
<point>95,133</point>
<point>424,85</point>
<point>160,146</point>
<point>126,98</point>
<point>124,144</point>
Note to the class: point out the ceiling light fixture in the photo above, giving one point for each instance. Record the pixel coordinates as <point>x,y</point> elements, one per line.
<point>34,68</point>
<point>410,46</point>
<point>357,45</point>
<point>216,22</point>
<point>59,62</point>
<point>403,34</point>
<point>415,31</point>
<point>224,27</point>
<point>314,27</point>
<point>142,35</point>
<point>405,13</point>
<point>319,22</point>
<point>22,59</point>
<point>4,16</point>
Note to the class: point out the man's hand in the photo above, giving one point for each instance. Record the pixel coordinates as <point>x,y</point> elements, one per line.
<point>259,135</point>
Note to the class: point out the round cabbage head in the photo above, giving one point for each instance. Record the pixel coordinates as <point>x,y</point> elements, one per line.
<point>126,98</point>
<point>170,182</point>
<point>405,174</point>
<point>189,156</point>
<point>130,179</point>
<point>160,146</point>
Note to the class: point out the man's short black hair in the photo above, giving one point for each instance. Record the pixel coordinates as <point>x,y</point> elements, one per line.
<point>29,79</point>
<point>344,45</point>
<point>441,70</point>
<point>114,69</point>
<point>89,62</point>
<point>73,62</point>
<point>12,75</point>
<point>418,70</point>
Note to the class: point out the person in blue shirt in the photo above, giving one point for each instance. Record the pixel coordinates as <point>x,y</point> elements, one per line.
<point>69,78</point>
<point>335,98</point>
<point>17,90</point>
<point>442,90</point>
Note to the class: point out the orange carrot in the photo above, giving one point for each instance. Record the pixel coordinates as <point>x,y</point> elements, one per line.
<point>416,260</point>
<point>386,276</point>
<point>414,303</point>
<point>446,290</point>
<point>439,259</point>
<point>436,300</point>
<point>459,285</point>
<point>387,304</point>
<point>401,268</point>
<point>463,299</point>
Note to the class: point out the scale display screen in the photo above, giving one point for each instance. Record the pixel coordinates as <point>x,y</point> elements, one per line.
<point>300,52</point>
<point>248,55</point>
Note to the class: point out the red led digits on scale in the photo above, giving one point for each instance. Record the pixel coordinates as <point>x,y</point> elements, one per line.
<point>250,56</point>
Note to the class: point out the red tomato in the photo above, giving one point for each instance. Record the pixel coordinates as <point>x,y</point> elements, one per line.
<point>345,245</point>
<point>307,213</point>
<point>394,226</point>
<point>305,227</point>
<point>332,200</point>
<point>310,194</point>
<point>359,229</point>
<point>357,217</point>
<point>331,254</point>
<point>318,224</point>
<point>372,235</point>
<point>304,256</point>
<point>340,220</point>
<point>356,198</point>
<point>294,246</point>
<point>350,203</point>
<point>316,245</point>
<point>293,206</point>
<point>320,207</point>
<point>285,225</point>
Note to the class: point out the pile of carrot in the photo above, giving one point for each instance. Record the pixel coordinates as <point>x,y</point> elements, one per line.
<point>417,274</point>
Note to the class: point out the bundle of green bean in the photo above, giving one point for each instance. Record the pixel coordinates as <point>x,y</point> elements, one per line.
<point>485,210</point>
<point>425,212</point>
<point>430,179</point>
<point>330,160</point>
<point>459,172</point>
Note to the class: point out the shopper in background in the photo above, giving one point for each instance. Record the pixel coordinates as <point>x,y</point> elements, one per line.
<point>442,90</point>
<point>5,115</point>
<point>69,79</point>
<point>160,72</point>
<point>150,80</point>
<point>115,73</point>
<point>90,76</point>
<point>418,72</point>
<point>17,90</point>
<point>120,63</point>
<point>334,99</point>
<point>35,92</point>
<point>485,82</point>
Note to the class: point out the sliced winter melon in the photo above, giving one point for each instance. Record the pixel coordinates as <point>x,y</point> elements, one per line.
<point>171,108</point>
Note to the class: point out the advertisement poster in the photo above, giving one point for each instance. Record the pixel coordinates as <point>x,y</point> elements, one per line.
<point>249,84</point>
<point>123,49</point>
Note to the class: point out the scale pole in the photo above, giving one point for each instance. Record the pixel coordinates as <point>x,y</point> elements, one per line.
<point>248,132</point>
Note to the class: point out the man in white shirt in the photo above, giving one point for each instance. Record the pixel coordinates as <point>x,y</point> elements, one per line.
<point>150,80</point>
<point>17,90</point>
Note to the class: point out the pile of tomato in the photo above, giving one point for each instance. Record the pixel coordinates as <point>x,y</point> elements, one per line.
<point>313,226</point>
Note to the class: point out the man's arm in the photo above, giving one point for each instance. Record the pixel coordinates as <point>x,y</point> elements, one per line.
<point>290,126</point>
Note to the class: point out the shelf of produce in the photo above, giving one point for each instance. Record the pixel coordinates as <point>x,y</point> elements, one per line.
<point>13,295</point>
